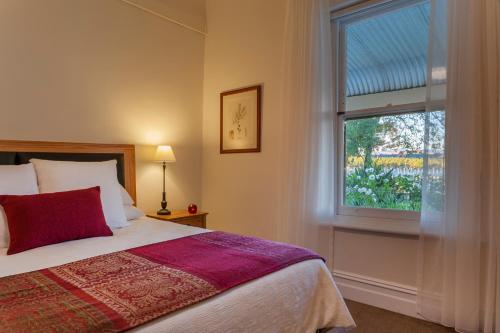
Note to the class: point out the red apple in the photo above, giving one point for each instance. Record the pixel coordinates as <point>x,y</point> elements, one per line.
<point>192,209</point>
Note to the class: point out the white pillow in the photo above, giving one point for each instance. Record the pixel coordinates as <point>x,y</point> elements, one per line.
<point>15,180</point>
<point>126,198</point>
<point>57,176</point>
<point>132,212</point>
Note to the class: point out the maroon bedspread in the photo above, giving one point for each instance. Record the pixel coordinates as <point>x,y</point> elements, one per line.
<point>121,290</point>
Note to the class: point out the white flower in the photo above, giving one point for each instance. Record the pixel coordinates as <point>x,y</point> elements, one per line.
<point>386,180</point>
<point>369,170</point>
<point>358,177</point>
<point>362,190</point>
<point>371,177</point>
<point>368,191</point>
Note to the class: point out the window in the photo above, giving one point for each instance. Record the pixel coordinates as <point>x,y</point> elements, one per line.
<point>381,69</point>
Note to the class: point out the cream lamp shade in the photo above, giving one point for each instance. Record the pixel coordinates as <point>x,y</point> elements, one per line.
<point>164,154</point>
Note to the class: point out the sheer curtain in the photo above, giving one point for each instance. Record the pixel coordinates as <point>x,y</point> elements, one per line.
<point>459,277</point>
<point>307,131</point>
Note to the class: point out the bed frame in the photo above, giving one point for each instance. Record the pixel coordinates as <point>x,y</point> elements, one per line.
<point>19,152</point>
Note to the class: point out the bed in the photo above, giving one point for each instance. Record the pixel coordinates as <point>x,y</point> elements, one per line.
<point>299,298</point>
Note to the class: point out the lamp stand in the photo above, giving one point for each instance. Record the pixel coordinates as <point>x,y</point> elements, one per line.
<point>164,210</point>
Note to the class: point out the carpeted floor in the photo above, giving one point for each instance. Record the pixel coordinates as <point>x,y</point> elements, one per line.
<point>370,319</point>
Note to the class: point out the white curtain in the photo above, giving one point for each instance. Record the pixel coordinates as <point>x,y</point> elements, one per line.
<point>459,268</point>
<point>307,131</point>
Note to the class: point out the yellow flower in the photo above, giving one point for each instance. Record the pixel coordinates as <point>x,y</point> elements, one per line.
<point>396,162</point>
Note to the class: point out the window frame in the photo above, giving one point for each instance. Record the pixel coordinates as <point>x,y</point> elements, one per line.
<point>363,217</point>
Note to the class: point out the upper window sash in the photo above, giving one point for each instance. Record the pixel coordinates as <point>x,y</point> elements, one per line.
<point>380,100</point>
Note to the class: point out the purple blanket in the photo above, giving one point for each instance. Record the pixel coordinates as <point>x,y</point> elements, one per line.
<point>118,291</point>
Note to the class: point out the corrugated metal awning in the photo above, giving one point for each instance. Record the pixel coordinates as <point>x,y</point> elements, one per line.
<point>388,52</point>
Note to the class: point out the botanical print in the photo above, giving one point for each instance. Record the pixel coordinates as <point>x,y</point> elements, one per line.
<point>240,120</point>
<point>239,130</point>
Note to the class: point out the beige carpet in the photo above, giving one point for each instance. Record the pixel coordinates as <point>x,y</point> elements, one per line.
<point>370,319</point>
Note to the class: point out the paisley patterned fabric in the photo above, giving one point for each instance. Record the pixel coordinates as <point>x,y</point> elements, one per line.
<point>122,290</point>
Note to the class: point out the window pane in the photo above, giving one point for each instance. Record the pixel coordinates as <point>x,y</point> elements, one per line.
<point>384,160</point>
<point>386,58</point>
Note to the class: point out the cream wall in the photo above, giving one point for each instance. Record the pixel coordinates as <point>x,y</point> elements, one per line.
<point>104,71</point>
<point>189,12</point>
<point>244,47</point>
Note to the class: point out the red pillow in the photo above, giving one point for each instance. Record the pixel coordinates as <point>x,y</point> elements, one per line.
<point>50,218</point>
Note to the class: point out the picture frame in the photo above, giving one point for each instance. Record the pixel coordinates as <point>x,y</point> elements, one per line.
<point>240,120</point>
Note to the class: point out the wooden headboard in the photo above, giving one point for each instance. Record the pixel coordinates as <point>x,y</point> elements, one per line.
<point>19,152</point>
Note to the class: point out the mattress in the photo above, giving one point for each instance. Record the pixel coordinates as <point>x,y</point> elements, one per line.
<point>300,298</point>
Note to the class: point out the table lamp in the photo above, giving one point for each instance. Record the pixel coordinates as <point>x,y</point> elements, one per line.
<point>163,155</point>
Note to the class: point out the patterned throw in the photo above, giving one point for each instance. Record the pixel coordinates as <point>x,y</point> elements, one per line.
<point>118,291</point>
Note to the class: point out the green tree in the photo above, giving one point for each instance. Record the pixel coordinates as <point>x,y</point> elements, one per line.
<point>362,136</point>
<point>403,133</point>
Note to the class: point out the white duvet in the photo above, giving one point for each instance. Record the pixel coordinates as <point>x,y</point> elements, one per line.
<point>300,298</point>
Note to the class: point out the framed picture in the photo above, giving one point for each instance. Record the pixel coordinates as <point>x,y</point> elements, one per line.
<point>240,113</point>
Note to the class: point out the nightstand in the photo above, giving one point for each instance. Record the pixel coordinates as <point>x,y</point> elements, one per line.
<point>183,217</point>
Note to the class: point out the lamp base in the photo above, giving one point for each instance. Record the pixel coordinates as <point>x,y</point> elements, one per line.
<point>163,211</point>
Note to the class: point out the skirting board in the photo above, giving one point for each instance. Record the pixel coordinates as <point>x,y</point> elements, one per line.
<point>379,293</point>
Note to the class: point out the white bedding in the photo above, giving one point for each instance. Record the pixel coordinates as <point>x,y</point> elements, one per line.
<point>300,298</point>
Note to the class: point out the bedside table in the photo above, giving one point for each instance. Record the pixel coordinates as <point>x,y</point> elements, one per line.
<point>183,217</point>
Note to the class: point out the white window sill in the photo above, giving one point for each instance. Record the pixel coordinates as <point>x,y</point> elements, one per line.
<point>391,226</point>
